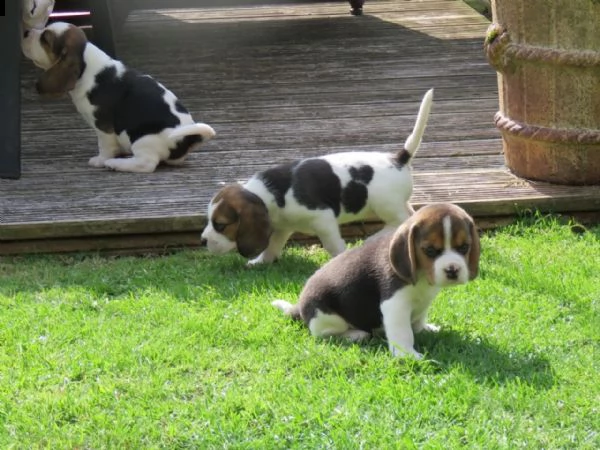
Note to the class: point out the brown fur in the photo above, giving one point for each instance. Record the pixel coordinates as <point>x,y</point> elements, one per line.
<point>245,217</point>
<point>66,51</point>
<point>407,254</point>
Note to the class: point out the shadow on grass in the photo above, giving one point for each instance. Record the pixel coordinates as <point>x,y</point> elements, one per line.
<point>174,274</point>
<point>486,362</point>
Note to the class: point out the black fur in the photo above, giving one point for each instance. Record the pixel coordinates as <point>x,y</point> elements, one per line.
<point>401,159</point>
<point>353,285</point>
<point>363,174</point>
<point>278,180</point>
<point>354,197</point>
<point>134,103</point>
<point>184,145</point>
<point>316,186</point>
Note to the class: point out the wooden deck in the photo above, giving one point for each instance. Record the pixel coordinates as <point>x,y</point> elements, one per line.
<point>277,82</point>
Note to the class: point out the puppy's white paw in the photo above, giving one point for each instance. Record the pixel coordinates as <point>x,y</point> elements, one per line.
<point>254,262</point>
<point>400,352</point>
<point>136,165</point>
<point>260,259</point>
<point>97,161</point>
<point>356,335</point>
<point>431,328</point>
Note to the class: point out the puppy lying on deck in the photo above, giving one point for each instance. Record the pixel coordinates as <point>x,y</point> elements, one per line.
<point>130,112</point>
<point>314,196</point>
<point>391,280</point>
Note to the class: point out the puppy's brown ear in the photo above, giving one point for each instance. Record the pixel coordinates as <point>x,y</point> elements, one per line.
<point>254,229</point>
<point>402,253</point>
<point>68,48</point>
<point>474,252</point>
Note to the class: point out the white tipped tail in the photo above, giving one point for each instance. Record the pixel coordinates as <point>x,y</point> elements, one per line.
<point>195,129</point>
<point>414,140</point>
<point>287,308</point>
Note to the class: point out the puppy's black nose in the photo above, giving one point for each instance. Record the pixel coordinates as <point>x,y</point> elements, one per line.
<point>25,33</point>
<point>451,272</point>
<point>203,242</point>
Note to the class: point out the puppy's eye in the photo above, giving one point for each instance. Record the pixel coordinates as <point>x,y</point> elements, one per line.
<point>463,249</point>
<point>219,227</point>
<point>431,252</point>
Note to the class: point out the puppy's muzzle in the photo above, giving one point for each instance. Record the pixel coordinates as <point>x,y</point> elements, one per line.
<point>452,272</point>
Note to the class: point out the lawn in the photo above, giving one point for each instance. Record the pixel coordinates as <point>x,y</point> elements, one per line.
<point>185,351</point>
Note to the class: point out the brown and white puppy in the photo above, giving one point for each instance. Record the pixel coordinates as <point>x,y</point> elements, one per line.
<point>131,112</point>
<point>391,280</point>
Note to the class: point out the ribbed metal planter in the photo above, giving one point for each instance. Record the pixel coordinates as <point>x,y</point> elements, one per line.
<point>547,54</point>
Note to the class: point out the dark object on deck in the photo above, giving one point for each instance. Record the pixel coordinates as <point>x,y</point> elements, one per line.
<point>10,92</point>
<point>356,7</point>
<point>548,60</point>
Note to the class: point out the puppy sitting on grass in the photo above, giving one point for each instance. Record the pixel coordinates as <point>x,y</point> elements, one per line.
<point>391,280</point>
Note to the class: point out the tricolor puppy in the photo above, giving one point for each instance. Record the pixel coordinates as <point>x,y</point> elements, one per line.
<point>131,113</point>
<point>314,196</point>
<point>391,280</point>
<point>35,13</point>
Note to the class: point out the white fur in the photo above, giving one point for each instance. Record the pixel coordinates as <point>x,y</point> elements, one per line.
<point>218,243</point>
<point>389,192</point>
<point>35,13</point>
<point>405,313</point>
<point>147,151</point>
<point>449,259</point>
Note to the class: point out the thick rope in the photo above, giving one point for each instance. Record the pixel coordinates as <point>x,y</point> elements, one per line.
<point>503,54</point>
<point>557,135</point>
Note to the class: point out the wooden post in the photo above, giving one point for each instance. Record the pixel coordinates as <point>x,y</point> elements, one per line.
<point>102,25</point>
<point>10,90</point>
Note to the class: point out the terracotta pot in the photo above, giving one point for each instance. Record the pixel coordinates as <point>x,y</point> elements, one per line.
<point>547,54</point>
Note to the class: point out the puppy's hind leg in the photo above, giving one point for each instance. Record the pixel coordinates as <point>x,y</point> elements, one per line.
<point>328,232</point>
<point>147,154</point>
<point>329,325</point>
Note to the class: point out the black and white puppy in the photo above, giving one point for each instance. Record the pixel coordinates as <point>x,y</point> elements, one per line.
<point>391,280</point>
<point>131,113</point>
<point>314,196</point>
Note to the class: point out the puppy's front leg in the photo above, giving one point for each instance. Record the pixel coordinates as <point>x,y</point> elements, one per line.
<point>396,322</point>
<point>108,147</point>
<point>273,251</point>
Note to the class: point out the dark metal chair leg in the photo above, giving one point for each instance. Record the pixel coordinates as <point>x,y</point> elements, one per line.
<point>356,7</point>
<point>103,25</point>
<point>10,91</point>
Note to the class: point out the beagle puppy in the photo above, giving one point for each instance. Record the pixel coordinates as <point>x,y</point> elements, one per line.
<point>313,196</point>
<point>130,112</point>
<point>35,13</point>
<point>391,281</point>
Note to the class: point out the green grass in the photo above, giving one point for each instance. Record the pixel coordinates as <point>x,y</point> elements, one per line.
<point>185,351</point>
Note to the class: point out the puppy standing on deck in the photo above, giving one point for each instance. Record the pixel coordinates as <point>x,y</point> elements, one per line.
<point>314,196</point>
<point>130,112</point>
<point>391,280</point>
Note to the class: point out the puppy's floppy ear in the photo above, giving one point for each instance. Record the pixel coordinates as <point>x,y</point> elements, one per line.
<point>68,48</point>
<point>474,252</point>
<point>402,253</point>
<point>254,228</point>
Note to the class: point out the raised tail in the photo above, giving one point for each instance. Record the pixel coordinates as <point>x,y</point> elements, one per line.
<point>287,308</point>
<point>195,129</point>
<point>412,143</point>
